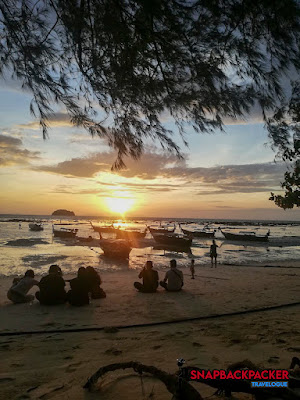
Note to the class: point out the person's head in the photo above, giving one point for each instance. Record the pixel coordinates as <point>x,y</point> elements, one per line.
<point>91,271</point>
<point>173,264</point>
<point>29,273</point>
<point>149,265</point>
<point>81,272</point>
<point>192,261</point>
<point>54,269</point>
<point>214,241</point>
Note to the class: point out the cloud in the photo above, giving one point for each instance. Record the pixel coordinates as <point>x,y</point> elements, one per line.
<point>12,152</point>
<point>148,167</point>
<point>247,178</point>
<point>141,187</point>
<point>202,181</point>
<point>55,120</point>
<point>81,167</point>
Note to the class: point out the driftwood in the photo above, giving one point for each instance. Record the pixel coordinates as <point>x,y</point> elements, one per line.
<point>182,390</point>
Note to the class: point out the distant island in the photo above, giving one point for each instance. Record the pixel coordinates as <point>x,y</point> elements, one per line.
<point>64,213</point>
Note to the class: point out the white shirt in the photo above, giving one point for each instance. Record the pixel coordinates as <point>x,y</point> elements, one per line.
<point>175,279</point>
<point>24,285</point>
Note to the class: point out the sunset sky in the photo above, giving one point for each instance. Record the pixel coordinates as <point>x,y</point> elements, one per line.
<point>224,175</point>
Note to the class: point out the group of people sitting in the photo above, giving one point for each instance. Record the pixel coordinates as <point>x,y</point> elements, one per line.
<point>86,285</point>
<point>52,287</point>
<point>173,281</point>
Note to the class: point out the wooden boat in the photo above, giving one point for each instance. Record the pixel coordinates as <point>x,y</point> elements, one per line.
<point>161,230</point>
<point>172,239</point>
<point>64,233</point>
<point>130,235</point>
<point>246,236</point>
<point>115,248</point>
<point>104,229</point>
<point>199,234</point>
<point>36,227</point>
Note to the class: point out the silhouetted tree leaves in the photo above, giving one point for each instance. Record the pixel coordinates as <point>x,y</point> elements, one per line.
<point>118,65</point>
<point>284,130</point>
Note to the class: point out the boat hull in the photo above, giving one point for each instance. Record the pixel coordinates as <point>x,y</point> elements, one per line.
<point>198,234</point>
<point>174,241</point>
<point>115,248</point>
<point>104,229</point>
<point>245,238</point>
<point>155,231</point>
<point>64,234</point>
<point>36,227</point>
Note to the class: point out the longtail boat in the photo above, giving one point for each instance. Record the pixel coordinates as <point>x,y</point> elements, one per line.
<point>173,239</point>
<point>246,236</point>
<point>104,229</point>
<point>161,230</point>
<point>115,248</point>
<point>64,233</point>
<point>199,234</point>
<point>36,227</point>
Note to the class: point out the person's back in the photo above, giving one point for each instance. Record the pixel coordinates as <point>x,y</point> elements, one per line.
<point>52,288</point>
<point>213,253</point>
<point>175,279</point>
<point>150,279</point>
<point>24,285</point>
<point>94,282</point>
<point>79,293</point>
<point>213,249</point>
<point>18,292</point>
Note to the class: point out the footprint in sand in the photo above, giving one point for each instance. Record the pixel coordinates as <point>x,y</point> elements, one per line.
<point>196,344</point>
<point>113,351</point>
<point>72,367</point>
<point>7,379</point>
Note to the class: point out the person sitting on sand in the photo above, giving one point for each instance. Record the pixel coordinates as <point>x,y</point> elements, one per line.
<point>173,281</point>
<point>192,268</point>
<point>213,253</point>
<point>52,287</point>
<point>150,279</point>
<point>18,292</point>
<point>79,293</point>
<point>94,282</point>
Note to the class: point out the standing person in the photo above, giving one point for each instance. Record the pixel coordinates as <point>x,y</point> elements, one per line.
<point>18,292</point>
<point>213,253</point>
<point>79,293</point>
<point>192,268</point>
<point>94,282</point>
<point>52,288</point>
<point>173,281</point>
<point>150,279</point>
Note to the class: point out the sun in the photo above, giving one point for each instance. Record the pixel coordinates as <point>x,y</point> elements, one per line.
<point>119,205</point>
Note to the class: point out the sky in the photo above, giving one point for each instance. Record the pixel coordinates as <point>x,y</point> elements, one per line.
<point>223,175</point>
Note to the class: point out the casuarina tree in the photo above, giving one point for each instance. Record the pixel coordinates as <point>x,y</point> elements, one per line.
<point>120,67</point>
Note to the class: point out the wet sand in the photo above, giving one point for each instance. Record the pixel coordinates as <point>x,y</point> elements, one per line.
<point>56,365</point>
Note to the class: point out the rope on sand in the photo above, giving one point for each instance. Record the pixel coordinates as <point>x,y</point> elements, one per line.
<point>148,324</point>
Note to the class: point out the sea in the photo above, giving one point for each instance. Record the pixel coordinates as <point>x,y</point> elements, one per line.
<point>22,248</point>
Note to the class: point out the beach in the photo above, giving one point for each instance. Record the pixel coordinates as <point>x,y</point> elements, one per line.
<point>56,365</point>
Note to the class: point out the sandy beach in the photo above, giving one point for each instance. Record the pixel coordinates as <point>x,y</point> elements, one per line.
<point>56,365</point>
